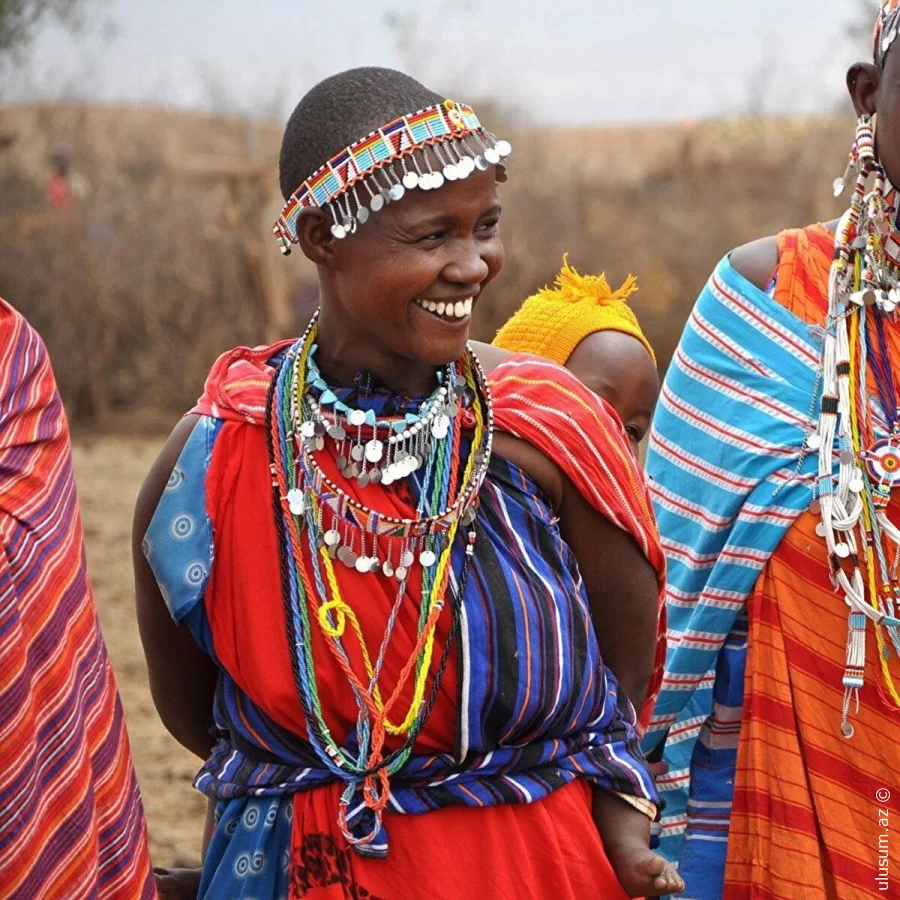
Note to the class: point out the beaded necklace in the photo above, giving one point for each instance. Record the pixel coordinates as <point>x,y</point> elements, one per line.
<point>316,521</point>
<point>858,435</point>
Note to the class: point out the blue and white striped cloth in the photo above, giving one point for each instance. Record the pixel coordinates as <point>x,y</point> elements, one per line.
<point>728,478</point>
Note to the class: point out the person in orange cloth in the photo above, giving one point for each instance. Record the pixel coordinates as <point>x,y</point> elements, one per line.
<point>584,325</point>
<point>774,469</point>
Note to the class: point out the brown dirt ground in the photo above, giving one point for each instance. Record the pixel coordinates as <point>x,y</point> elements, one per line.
<point>109,472</point>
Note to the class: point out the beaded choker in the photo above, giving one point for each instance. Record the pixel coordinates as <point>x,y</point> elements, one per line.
<point>319,522</point>
<point>380,168</point>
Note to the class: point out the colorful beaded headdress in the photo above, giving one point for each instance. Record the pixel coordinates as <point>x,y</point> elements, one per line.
<point>887,27</point>
<point>363,178</point>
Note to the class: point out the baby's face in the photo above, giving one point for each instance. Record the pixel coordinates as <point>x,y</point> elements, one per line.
<point>618,368</point>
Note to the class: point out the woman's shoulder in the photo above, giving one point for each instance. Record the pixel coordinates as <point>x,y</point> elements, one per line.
<point>757,260</point>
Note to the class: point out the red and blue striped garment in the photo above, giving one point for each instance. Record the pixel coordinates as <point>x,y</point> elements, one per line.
<point>526,709</point>
<point>71,820</point>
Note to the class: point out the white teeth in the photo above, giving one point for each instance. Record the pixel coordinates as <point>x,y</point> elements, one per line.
<point>458,310</point>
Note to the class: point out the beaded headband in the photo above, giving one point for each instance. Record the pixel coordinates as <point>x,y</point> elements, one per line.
<point>447,128</point>
<point>887,27</point>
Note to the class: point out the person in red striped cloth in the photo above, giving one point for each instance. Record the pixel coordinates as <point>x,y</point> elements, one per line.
<point>71,819</point>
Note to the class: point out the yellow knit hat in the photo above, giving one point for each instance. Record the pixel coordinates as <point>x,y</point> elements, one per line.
<point>554,321</point>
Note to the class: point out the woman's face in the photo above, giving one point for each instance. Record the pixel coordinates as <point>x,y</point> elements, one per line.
<point>403,287</point>
<point>888,122</point>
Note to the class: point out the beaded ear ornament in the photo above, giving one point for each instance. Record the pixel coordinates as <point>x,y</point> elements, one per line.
<point>381,167</point>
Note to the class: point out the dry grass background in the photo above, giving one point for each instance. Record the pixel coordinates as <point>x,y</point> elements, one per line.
<point>138,291</point>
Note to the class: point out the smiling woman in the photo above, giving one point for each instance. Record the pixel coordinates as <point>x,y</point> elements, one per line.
<point>387,612</point>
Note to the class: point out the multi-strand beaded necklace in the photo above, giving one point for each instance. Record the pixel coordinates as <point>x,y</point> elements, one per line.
<point>321,528</point>
<point>858,434</point>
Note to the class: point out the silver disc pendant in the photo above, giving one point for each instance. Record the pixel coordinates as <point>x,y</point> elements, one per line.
<point>337,433</point>
<point>813,442</point>
<point>332,538</point>
<point>397,192</point>
<point>450,173</point>
<point>504,148</point>
<point>492,156</point>
<point>346,556</point>
<point>377,203</point>
<point>357,417</point>
<point>357,452</point>
<point>481,164</point>
<point>406,559</point>
<point>437,180</point>
<point>362,564</point>
<point>387,569</point>
<point>427,558</point>
<point>400,573</point>
<point>375,476</point>
<point>363,480</point>
<point>374,451</point>
<point>308,429</point>
<point>338,231</point>
<point>362,215</point>
<point>410,181</point>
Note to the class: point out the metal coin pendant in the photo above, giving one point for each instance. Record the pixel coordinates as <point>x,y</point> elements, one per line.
<point>362,564</point>
<point>397,192</point>
<point>377,203</point>
<point>357,417</point>
<point>363,480</point>
<point>387,569</point>
<point>427,558</point>
<point>400,573</point>
<point>814,442</point>
<point>374,451</point>
<point>406,559</point>
<point>362,215</point>
<point>357,452</point>
<point>308,429</point>
<point>337,433</point>
<point>332,538</point>
<point>338,231</point>
<point>492,156</point>
<point>344,554</point>
<point>410,181</point>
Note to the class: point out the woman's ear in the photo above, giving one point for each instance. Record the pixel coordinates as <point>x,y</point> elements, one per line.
<point>863,80</point>
<point>315,237</point>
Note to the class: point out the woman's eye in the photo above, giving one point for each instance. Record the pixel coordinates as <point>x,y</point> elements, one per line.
<point>434,236</point>
<point>489,226</point>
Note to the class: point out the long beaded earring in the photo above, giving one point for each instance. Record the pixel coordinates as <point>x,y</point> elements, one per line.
<point>862,156</point>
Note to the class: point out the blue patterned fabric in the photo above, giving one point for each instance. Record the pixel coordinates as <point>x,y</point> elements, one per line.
<point>728,478</point>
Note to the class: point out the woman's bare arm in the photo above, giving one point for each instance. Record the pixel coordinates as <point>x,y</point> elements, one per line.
<point>182,676</point>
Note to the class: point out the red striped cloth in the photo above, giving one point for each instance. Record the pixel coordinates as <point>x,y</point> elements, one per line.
<point>812,812</point>
<point>71,819</point>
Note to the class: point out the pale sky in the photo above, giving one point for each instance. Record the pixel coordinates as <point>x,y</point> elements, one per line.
<point>560,62</point>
